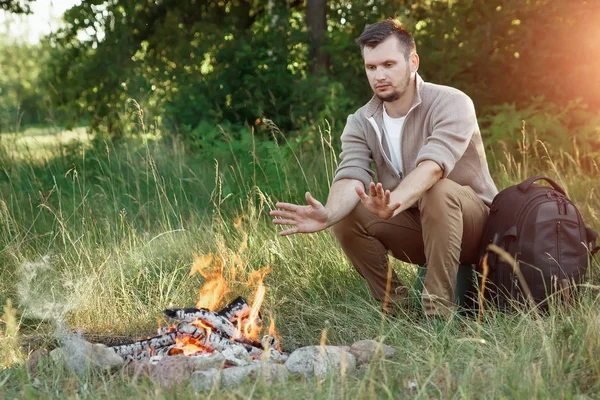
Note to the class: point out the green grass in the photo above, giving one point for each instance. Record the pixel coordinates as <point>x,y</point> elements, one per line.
<point>102,237</point>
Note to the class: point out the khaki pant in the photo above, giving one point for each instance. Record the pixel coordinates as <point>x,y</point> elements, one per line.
<point>442,232</point>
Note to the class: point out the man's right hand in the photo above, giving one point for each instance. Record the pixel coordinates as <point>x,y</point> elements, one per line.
<point>305,219</point>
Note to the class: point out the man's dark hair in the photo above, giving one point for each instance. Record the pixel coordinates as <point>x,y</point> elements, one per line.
<point>376,33</point>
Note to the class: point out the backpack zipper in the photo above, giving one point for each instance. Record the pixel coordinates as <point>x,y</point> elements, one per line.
<point>531,204</point>
<point>524,206</point>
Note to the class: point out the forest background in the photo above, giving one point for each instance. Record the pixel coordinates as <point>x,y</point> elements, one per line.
<point>193,65</point>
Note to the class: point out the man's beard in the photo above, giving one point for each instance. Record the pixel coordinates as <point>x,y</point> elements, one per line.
<point>396,94</point>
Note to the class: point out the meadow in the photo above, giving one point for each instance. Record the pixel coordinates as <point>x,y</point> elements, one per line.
<point>99,238</point>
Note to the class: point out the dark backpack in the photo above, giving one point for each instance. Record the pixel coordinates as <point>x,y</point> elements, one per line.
<point>543,230</point>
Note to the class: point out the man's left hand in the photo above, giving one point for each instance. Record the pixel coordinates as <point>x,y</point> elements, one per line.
<point>378,201</point>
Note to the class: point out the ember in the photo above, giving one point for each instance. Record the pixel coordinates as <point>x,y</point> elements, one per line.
<point>234,330</point>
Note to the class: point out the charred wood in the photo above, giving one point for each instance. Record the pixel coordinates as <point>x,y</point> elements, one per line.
<point>215,321</point>
<point>145,348</point>
<point>238,308</point>
<point>212,340</point>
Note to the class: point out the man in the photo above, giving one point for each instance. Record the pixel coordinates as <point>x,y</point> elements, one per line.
<point>434,186</point>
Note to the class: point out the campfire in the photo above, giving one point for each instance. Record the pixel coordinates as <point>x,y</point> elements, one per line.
<point>234,331</point>
<point>214,344</point>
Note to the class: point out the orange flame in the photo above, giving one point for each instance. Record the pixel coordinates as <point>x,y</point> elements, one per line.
<point>213,292</point>
<point>190,346</point>
<point>216,288</point>
<point>252,329</point>
<point>237,222</point>
<point>273,331</point>
<point>200,324</point>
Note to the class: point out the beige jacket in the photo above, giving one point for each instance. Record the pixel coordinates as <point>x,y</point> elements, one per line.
<point>440,126</point>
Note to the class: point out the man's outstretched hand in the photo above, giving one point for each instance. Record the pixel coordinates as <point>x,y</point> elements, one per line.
<point>305,219</point>
<point>378,201</point>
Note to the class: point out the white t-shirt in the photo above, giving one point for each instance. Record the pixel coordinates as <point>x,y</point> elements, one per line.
<point>393,128</point>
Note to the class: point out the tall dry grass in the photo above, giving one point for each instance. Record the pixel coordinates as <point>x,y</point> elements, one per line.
<point>101,239</point>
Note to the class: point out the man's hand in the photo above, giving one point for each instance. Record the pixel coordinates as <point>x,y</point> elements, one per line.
<point>378,201</point>
<point>306,219</point>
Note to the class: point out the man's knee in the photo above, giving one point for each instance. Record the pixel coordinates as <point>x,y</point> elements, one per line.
<point>349,226</point>
<point>341,230</point>
<point>440,197</point>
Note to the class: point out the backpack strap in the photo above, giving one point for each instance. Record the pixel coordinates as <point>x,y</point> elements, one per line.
<point>523,186</point>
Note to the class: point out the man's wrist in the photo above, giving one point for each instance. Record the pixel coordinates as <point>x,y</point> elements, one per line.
<point>330,218</point>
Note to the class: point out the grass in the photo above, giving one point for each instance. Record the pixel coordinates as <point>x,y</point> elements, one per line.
<point>102,237</point>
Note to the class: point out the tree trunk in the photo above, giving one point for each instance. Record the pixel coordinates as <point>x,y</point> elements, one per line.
<point>316,22</point>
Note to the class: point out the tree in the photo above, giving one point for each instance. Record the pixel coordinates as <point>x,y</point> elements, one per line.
<point>316,22</point>
<point>297,62</point>
<point>16,6</point>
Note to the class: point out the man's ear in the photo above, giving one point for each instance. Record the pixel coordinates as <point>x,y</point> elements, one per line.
<point>414,62</point>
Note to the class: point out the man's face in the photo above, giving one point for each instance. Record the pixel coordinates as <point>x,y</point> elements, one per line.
<point>389,73</point>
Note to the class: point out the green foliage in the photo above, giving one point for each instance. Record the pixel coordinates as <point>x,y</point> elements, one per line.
<point>22,98</point>
<point>239,60</point>
<point>572,128</point>
<point>510,51</point>
<point>16,6</point>
<point>189,66</point>
<point>232,61</point>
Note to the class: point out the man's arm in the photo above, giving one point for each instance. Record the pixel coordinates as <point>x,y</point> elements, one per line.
<point>342,199</point>
<point>315,217</point>
<point>386,204</point>
<point>412,187</point>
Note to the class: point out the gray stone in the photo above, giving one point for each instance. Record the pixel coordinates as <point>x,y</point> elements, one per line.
<point>36,383</point>
<point>105,358</point>
<point>35,359</point>
<point>321,361</point>
<point>208,361</point>
<point>81,356</point>
<point>204,381</point>
<point>57,355</point>
<point>268,373</point>
<point>271,372</point>
<point>237,356</point>
<point>138,368</point>
<point>233,376</point>
<point>173,370</point>
<point>366,351</point>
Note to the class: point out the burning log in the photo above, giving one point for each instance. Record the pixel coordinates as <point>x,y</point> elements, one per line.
<point>215,320</point>
<point>238,308</point>
<point>209,339</point>
<point>235,310</point>
<point>201,331</point>
<point>167,343</point>
<point>220,343</point>
<point>164,351</point>
<point>145,348</point>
